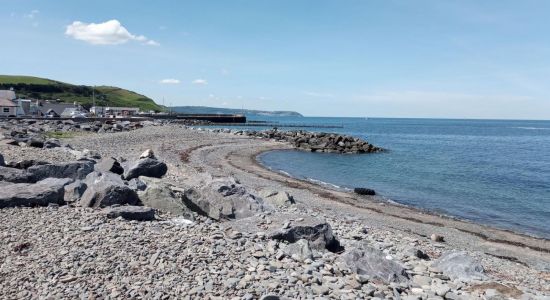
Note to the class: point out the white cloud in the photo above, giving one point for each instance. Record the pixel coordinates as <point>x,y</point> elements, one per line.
<point>318,95</point>
<point>32,14</point>
<point>170,81</point>
<point>107,33</point>
<point>200,82</point>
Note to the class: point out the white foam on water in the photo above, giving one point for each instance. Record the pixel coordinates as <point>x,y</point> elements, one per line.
<point>532,128</point>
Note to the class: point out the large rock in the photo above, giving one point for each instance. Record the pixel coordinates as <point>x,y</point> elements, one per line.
<point>299,250</point>
<point>73,170</point>
<point>366,260</point>
<point>109,165</point>
<point>225,198</point>
<point>2,161</point>
<point>27,163</point>
<point>460,266</point>
<point>106,189</point>
<point>52,143</point>
<point>137,213</point>
<point>149,167</point>
<point>74,191</point>
<point>35,142</point>
<point>15,175</point>
<point>163,196</point>
<point>318,232</point>
<point>42,193</point>
<point>277,198</point>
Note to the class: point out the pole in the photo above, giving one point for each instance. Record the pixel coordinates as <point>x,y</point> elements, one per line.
<point>93,100</point>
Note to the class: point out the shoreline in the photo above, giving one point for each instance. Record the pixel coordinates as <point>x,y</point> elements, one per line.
<point>388,201</point>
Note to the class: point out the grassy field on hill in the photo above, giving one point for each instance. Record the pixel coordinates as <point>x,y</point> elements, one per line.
<point>45,89</point>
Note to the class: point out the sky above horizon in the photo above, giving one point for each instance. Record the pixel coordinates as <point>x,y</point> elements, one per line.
<point>391,58</point>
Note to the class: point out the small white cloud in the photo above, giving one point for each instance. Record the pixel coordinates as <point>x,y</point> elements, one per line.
<point>107,33</point>
<point>170,81</point>
<point>200,82</point>
<point>32,14</point>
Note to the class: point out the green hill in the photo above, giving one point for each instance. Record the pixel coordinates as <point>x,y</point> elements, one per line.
<point>45,89</point>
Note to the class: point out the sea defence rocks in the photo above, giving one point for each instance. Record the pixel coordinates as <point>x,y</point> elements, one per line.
<point>106,189</point>
<point>73,170</point>
<point>225,198</point>
<point>150,167</point>
<point>48,191</point>
<point>364,191</point>
<point>277,198</point>
<point>137,213</point>
<point>318,141</point>
<point>15,175</point>
<point>109,165</point>
<point>365,260</point>
<point>460,266</point>
<point>74,191</point>
<point>317,231</point>
<point>163,196</point>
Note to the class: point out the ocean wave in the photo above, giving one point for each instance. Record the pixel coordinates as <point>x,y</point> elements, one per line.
<point>532,128</point>
<point>324,183</point>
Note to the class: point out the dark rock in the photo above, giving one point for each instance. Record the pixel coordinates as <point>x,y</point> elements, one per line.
<point>162,196</point>
<point>149,167</point>
<point>106,189</point>
<point>109,165</point>
<point>74,191</point>
<point>74,170</point>
<point>35,142</point>
<point>364,191</point>
<point>137,184</point>
<point>460,266</point>
<point>43,193</point>
<point>52,143</point>
<point>2,161</point>
<point>25,164</point>
<point>137,213</point>
<point>366,260</point>
<point>15,175</point>
<point>224,198</point>
<point>318,232</point>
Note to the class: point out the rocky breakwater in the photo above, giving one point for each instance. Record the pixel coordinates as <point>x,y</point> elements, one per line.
<point>312,141</point>
<point>120,229</point>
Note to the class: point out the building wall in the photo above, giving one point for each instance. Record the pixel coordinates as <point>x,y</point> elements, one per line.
<point>7,111</point>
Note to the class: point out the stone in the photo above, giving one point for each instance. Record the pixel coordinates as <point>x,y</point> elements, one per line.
<point>15,175</point>
<point>51,143</point>
<point>35,142</point>
<point>137,184</point>
<point>106,189</point>
<point>422,280</point>
<point>299,251</point>
<point>25,164</point>
<point>458,265</point>
<point>149,167</point>
<point>2,161</point>
<point>128,212</point>
<point>74,191</point>
<point>318,232</point>
<point>437,238</point>
<point>109,165</point>
<point>364,191</point>
<point>147,154</point>
<point>160,195</point>
<point>280,199</point>
<point>365,260</point>
<point>73,170</point>
<point>413,252</point>
<point>225,198</point>
<point>43,193</point>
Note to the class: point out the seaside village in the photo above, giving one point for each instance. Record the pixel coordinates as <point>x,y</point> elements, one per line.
<point>12,106</point>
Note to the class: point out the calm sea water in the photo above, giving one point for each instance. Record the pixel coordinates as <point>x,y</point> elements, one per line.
<point>491,172</point>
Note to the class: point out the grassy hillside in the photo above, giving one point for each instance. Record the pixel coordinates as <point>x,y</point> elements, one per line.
<point>46,89</point>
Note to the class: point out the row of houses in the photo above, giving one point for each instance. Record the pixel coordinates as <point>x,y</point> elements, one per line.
<point>11,106</point>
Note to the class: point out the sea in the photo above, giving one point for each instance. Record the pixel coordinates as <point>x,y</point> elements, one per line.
<point>492,172</point>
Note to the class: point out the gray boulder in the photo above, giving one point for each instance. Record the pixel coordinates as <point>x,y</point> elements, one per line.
<point>164,197</point>
<point>25,164</point>
<point>52,143</point>
<point>106,189</point>
<point>149,167</point>
<point>35,142</point>
<point>366,260</point>
<point>74,191</point>
<point>299,250</point>
<point>109,165</point>
<point>225,198</point>
<point>15,175</point>
<point>277,198</point>
<point>137,213</point>
<point>42,193</point>
<point>74,170</point>
<point>460,266</point>
<point>137,184</point>
<point>318,232</point>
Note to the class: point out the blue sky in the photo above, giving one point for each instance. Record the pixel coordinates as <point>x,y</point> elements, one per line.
<point>451,59</point>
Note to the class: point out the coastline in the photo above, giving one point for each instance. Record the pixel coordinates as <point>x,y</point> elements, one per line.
<point>196,156</point>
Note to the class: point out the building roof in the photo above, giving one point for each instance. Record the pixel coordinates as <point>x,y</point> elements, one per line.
<point>58,108</point>
<point>7,94</point>
<point>7,103</point>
